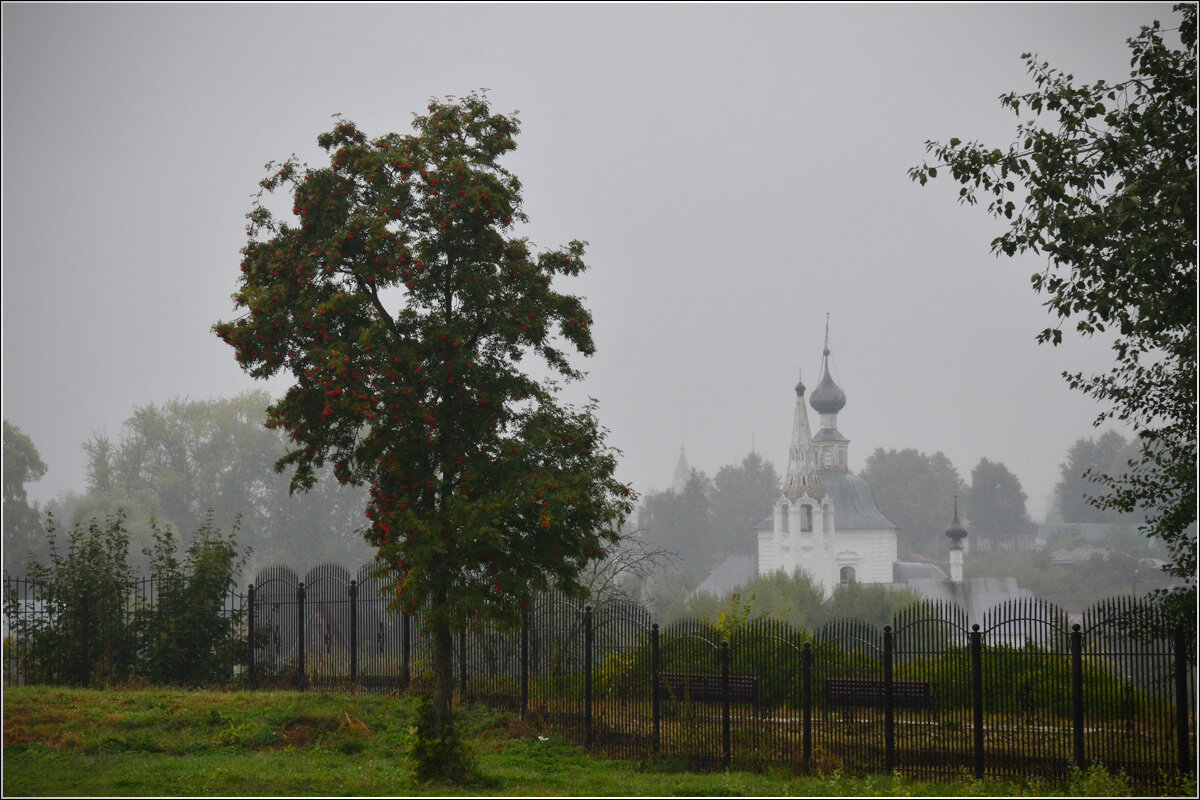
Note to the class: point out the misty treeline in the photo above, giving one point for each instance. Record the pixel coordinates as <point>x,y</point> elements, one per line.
<point>187,465</point>
<point>708,519</point>
<point>173,463</point>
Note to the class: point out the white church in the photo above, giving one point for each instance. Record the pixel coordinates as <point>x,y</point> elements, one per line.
<point>825,521</point>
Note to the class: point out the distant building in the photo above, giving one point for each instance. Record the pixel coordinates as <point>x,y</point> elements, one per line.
<point>826,523</point>
<point>825,520</point>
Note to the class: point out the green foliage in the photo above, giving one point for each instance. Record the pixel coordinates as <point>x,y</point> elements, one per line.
<point>401,304</point>
<point>995,504</point>
<point>183,460</point>
<point>185,635</point>
<point>23,533</point>
<point>84,591</point>
<point>1097,781</point>
<point>709,519</point>
<point>438,755</point>
<point>797,601</point>
<point>179,634</point>
<point>741,496</point>
<point>1073,587</point>
<point>1110,199</point>
<point>1079,487</point>
<point>682,522</point>
<point>915,491</point>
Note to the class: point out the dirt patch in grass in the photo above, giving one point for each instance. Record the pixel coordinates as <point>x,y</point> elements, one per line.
<point>306,731</point>
<point>512,728</point>
<point>24,725</point>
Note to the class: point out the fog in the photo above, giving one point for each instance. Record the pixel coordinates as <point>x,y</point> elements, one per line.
<point>739,172</point>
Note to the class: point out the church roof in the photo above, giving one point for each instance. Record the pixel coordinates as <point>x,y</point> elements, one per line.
<point>829,435</point>
<point>853,504</point>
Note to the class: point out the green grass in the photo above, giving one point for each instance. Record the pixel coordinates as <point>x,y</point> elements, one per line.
<point>152,742</point>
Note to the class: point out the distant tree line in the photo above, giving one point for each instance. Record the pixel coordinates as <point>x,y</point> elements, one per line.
<point>174,462</point>
<point>709,519</point>
<point>187,464</point>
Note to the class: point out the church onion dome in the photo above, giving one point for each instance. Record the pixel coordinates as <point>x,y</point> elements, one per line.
<point>828,397</point>
<point>956,532</point>
<point>799,388</point>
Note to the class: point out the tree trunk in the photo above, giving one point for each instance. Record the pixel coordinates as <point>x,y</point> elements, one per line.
<point>443,667</point>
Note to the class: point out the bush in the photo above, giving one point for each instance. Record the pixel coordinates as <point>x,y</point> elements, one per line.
<point>186,636</point>
<point>438,759</point>
<point>86,620</point>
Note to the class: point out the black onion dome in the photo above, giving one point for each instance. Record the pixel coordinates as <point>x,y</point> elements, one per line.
<point>828,397</point>
<point>800,388</point>
<point>956,532</point>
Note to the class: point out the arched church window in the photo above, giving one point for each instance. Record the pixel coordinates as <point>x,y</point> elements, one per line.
<point>806,518</point>
<point>847,576</point>
<point>783,518</point>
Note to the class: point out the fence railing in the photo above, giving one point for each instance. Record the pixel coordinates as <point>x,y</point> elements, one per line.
<point>1024,691</point>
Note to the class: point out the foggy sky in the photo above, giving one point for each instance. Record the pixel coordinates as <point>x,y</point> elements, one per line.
<point>738,172</point>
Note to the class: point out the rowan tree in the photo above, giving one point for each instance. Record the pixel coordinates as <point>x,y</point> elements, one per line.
<point>401,302</point>
<point>1108,193</point>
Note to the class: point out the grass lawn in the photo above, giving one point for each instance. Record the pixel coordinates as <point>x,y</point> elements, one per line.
<point>153,742</point>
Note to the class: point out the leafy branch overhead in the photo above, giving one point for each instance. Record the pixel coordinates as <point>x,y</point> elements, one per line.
<point>1107,192</point>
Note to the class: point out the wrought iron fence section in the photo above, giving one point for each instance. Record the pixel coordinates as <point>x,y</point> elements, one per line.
<point>1027,690</point>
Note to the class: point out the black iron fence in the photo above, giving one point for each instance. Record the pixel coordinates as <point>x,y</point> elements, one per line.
<point>1028,690</point>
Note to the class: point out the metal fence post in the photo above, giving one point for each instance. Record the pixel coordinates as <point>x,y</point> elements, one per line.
<point>806,662</point>
<point>587,675</point>
<point>462,665</point>
<point>524,663</point>
<point>303,679</point>
<point>405,647</point>
<point>889,703</point>
<point>1186,765</point>
<point>655,710</point>
<point>1077,692</point>
<point>977,696</point>
<point>353,633</point>
<point>250,636</point>
<point>726,744</point>
<point>84,643</point>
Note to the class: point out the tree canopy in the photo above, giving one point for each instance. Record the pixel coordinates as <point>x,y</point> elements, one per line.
<point>1108,194</point>
<point>23,533</point>
<point>182,460</point>
<point>1079,482</point>
<point>916,491</point>
<point>401,303</point>
<point>995,504</point>
<point>711,518</point>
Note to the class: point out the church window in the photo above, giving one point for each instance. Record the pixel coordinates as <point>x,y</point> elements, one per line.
<point>827,456</point>
<point>841,458</point>
<point>847,576</point>
<point>783,518</point>
<point>806,518</point>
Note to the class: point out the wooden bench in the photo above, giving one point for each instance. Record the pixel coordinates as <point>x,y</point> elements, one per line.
<point>872,693</point>
<point>707,688</point>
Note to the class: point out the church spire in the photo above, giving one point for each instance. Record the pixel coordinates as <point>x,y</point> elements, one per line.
<point>801,475</point>
<point>682,471</point>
